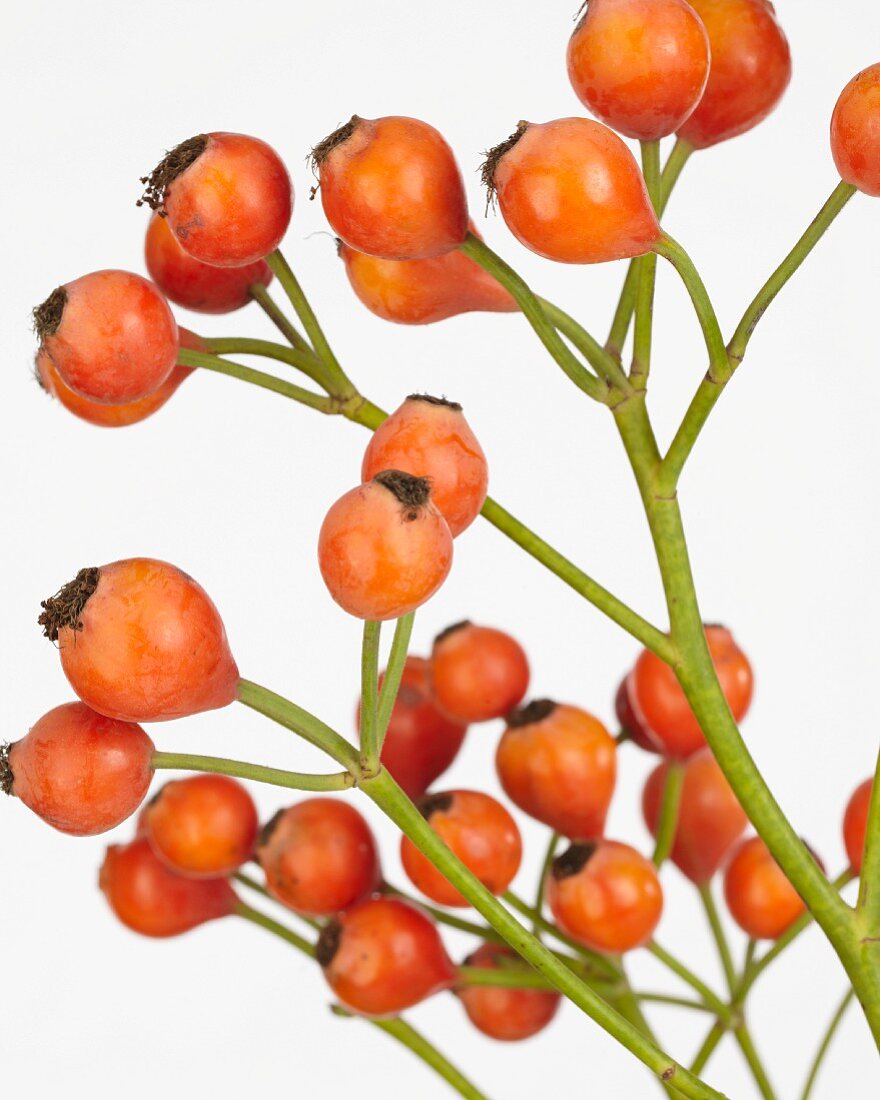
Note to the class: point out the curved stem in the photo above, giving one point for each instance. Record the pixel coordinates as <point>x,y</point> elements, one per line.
<point>303,361</point>
<point>393,675</point>
<point>667,823</point>
<point>549,855</point>
<point>480,252</point>
<point>393,802</point>
<point>836,1020</point>
<point>714,919</point>
<point>369,696</point>
<point>647,273</point>
<point>203,360</point>
<point>712,1000</point>
<point>295,781</point>
<point>607,367</point>
<point>279,318</point>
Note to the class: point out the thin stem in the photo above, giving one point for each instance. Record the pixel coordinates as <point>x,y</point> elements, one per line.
<point>303,361</point>
<point>830,1032</point>
<point>712,1000</point>
<point>676,1002</point>
<point>393,675</point>
<point>291,287</point>
<point>667,823</point>
<point>295,781</point>
<point>868,905</point>
<point>602,963</point>
<point>701,1058</point>
<point>718,934</point>
<point>515,978</point>
<point>753,1060</point>
<point>262,920</point>
<point>252,884</point>
<point>552,845</point>
<point>606,367</point>
<point>203,360</point>
<point>480,252</point>
<point>388,796</point>
<point>369,696</point>
<point>442,916</point>
<point>647,273</point>
<point>279,318</point>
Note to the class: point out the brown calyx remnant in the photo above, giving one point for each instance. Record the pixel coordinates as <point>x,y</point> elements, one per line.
<point>174,163</point>
<point>268,829</point>
<point>7,779</point>
<point>435,804</point>
<point>536,711</point>
<point>412,492</point>
<point>66,606</point>
<point>494,156</point>
<point>574,860</point>
<point>324,148</point>
<point>328,943</point>
<point>47,315</point>
<point>450,630</point>
<point>580,16</point>
<point>429,400</point>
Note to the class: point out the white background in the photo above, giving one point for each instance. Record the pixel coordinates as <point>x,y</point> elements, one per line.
<point>231,484</point>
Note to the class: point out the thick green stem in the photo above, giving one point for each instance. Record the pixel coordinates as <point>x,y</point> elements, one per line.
<point>204,361</point>
<point>295,781</point>
<point>303,361</point>
<point>393,674</point>
<point>831,1031</point>
<point>717,929</point>
<point>393,802</point>
<point>667,823</point>
<point>603,965</point>
<point>369,697</point>
<point>533,312</point>
<point>647,274</point>
<point>868,907</point>
<point>442,916</point>
<point>279,318</point>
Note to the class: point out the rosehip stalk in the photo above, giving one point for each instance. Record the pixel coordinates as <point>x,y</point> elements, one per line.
<point>668,822</point>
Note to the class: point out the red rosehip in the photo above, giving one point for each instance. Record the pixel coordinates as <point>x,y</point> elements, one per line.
<point>629,723</point>
<point>477,672</point>
<point>760,898</point>
<point>855,132</point>
<point>855,824</point>
<point>509,1015</point>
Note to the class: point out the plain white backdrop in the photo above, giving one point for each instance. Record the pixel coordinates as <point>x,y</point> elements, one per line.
<point>231,484</point>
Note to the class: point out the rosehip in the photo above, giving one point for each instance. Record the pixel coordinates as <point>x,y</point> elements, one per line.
<point>760,898</point>
<point>203,826</point>
<point>605,895</point>
<point>390,187</point>
<point>749,71</point>
<point>659,702</point>
<point>855,824</point>
<point>227,197</point>
<point>110,335</point>
<point>855,132</point>
<point>382,956</point>
<point>384,548</point>
<point>559,764</point>
<point>429,437</point>
<point>508,1015</point>
<point>478,673</point>
<point>479,830</point>
<point>419,292</point>
<point>319,857</point>
<point>710,819</point>
<point>639,65</point>
<point>80,772</point>
<point>150,899</point>
<point>630,724</point>
<point>421,742</point>
<point>193,284</point>
<point>141,641</point>
<point>571,191</point>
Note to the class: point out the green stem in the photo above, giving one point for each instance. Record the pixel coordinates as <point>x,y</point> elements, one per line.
<point>295,781</point>
<point>830,1032</point>
<point>606,367</point>
<point>279,318</point>
<point>675,1002</point>
<point>549,855</point>
<point>369,696</point>
<point>518,978</point>
<point>667,823</point>
<point>262,920</point>
<point>701,1058</point>
<point>647,274</point>
<point>267,349</point>
<point>603,964</point>
<point>291,287</point>
<point>393,675</point>
<point>747,1046</point>
<point>442,916</point>
<point>629,1007</point>
<point>868,905</point>
<point>714,919</point>
<point>203,360</point>
<point>675,163</point>
<point>480,252</point>
<point>258,888</point>
<point>710,999</point>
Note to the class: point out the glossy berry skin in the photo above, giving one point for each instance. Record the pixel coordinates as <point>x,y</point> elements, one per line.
<point>80,772</point>
<point>204,826</point>
<point>429,437</point>
<point>855,824</point>
<point>749,71</point>
<point>508,1015</point>
<point>605,895</point>
<point>319,857</point>
<point>150,899</point>
<point>571,191</point>
<point>420,292</point>
<point>141,641</point>
<point>231,203</point>
<point>383,956</point>
<point>477,672</point>
<point>110,335</point>
<point>760,898</point>
<point>115,416</point>
<point>384,548</point>
<point>559,764</point>
<point>640,66</point>
<point>660,704</point>
<point>710,819</point>
<point>421,741</point>
<point>629,723</point>
<point>855,132</point>
<point>390,187</point>
<point>192,284</point>
<point>479,830</point>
